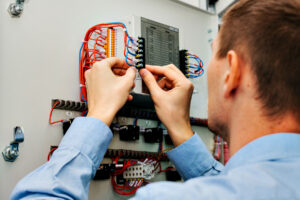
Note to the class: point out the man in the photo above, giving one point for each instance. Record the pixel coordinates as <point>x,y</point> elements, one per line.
<point>254,102</point>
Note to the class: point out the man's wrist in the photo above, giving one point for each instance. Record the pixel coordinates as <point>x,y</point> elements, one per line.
<point>180,134</point>
<point>106,116</point>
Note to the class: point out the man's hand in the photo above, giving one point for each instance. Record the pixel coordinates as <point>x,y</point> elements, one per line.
<point>172,97</point>
<point>108,85</point>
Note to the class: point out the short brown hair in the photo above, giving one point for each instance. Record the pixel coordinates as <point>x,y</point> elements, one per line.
<point>267,34</point>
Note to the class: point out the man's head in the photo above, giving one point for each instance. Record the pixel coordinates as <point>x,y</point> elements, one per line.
<point>256,56</point>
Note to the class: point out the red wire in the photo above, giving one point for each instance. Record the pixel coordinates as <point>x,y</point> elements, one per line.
<point>123,190</point>
<point>50,152</point>
<point>51,115</point>
<point>88,55</point>
<point>226,152</point>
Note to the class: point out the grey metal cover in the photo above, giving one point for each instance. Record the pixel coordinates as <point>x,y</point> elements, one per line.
<point>162,43</point>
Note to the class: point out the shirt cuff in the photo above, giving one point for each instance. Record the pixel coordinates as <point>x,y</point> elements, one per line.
<point>191,158</point>
<point>90,136</point>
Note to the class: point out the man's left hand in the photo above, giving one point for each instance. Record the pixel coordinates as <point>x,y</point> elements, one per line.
<point>108,85</point>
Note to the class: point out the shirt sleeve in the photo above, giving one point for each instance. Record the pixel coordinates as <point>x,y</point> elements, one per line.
<point>68,173</point>
<point>192,159</point>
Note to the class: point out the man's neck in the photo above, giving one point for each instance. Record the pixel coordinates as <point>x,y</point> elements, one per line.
<point>249,125</point>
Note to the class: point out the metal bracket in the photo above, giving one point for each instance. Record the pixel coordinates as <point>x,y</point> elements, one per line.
<point>16,9</point>
<point>11,152</point>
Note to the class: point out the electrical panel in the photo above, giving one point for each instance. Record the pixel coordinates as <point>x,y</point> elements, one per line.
<point>137,132</point>
<point>159,45</point>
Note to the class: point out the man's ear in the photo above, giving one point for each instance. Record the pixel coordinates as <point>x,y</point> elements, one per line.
<point>233,73</point>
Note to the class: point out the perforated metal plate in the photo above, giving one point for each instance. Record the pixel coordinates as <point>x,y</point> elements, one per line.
<point>162,43</point>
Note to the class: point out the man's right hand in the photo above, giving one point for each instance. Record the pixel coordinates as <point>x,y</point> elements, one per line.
<point>172,98</point>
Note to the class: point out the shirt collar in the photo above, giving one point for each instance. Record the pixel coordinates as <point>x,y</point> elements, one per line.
<point>274,146</point>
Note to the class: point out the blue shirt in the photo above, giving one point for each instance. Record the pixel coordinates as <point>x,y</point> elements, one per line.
<point>266,168</point>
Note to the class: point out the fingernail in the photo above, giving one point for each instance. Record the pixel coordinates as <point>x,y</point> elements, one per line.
<point>133,68</point>
<point>143,72</point>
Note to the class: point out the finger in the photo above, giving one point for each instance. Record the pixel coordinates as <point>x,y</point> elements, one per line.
<point>115,62</point>
<point>119,71</point>
<point>165,84</point>
<point>161,83</point>
<point>130,97</point>
<point>150,81</point>
<point>130,75</point>
<point>165,71</point>
<point>86,74</point>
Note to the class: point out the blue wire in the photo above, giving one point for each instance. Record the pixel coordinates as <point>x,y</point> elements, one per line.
<point>129,51</point>
<point>127,56</point>
<point>124,26</point>
<point>85,113</point>
<point>130,39</point>
<point>200,63</point>
<point>79,69</point>
<point>196,60</point>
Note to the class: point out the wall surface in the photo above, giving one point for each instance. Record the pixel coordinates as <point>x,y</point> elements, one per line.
<point>223,4</point>
<point>39,62</point>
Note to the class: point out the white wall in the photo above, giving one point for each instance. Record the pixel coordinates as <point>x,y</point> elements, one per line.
<point>223,4</point>
<point>39,62</point>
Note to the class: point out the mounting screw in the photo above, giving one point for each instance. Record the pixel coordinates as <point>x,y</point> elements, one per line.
<point>11,152</point>
<point>16,9</point>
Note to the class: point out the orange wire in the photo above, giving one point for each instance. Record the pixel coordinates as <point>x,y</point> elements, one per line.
<point>90,55</point>
<point>51,115</point>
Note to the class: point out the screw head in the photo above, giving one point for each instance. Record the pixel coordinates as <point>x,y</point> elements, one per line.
<point>15,10</point>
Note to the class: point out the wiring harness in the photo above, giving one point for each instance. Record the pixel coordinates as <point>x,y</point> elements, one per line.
<point>100,42</point>
<point>190,64</point>
<point>128,175</point>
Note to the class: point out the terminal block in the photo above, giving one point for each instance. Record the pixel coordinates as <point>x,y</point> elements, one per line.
<point>104,171</point>
<point>183,61</point>
<point>129,133</point>
<point>140,54</point>
<point>66,125</point>
<point>153,135</point>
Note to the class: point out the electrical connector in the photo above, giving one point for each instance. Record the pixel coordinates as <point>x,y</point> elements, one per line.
<point>129,133</point>
<point>183,61</point>
<point>104,171</point>
<point>153,135</point>
<point>140,53</point>
<point>188,66</point>
<point>66,125</point>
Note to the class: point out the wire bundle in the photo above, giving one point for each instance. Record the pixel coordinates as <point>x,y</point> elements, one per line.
<point>122,189</point>
<point>194,70</point>
<point>99,43</point>
<point>130,186</point>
